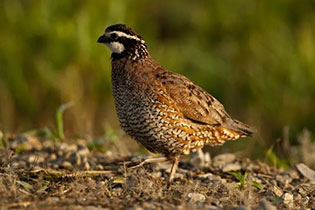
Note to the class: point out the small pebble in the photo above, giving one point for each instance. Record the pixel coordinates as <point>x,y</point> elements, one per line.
<point>306,171</point>
<point>266,205</point>
<point>100,167</point>
<point>29,143</point>
<point>196,197</point>
<point>109,153</point>
<point>284,179</point>
<point>83,151</point>
<point>66,164</point>
<point>31,158</point>
<point>293,174</point>
<point>231,167</point>
<point>223,159</point>
<point>307,188</point>
<point>19,164</point>
<point>156,175</point>
<point>52,157</point>
<point>210,176</point>
<point>68,148</point>
<point>36,144</point>
<point>36,158</point>
<point>277,191</point>
<point>48,144</point>
<point>287,198</point>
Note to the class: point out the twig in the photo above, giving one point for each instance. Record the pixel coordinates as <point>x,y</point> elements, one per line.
<point>74,174</point>
<point>19,204</point>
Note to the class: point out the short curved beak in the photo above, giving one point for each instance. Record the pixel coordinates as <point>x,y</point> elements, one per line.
<point>103,39</point>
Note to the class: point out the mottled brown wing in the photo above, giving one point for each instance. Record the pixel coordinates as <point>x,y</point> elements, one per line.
<point>194,102</point>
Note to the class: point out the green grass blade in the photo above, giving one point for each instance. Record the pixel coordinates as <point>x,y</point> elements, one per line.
<point>59,119</point>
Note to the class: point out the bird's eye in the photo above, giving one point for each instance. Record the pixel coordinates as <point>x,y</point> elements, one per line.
<point>114,36</point>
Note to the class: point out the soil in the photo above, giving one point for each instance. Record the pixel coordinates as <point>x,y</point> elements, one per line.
<point>38,173</point>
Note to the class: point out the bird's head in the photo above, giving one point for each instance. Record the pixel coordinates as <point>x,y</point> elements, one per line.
<point>123,42</point>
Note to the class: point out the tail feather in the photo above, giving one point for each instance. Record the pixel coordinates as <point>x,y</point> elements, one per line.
<point>242,128</point>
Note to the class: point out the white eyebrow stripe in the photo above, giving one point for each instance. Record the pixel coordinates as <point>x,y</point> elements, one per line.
<point>122,34</point>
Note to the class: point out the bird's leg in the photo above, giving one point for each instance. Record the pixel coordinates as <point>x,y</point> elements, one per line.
<point>150,160</point>
<point>173,170</point>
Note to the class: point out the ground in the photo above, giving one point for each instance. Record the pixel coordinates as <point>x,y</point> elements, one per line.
<point>37,173</point>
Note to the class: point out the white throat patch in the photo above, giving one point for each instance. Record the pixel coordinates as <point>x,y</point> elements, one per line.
<point>115,47</point>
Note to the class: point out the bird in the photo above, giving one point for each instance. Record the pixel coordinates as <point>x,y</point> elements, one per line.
<point>162,110</point>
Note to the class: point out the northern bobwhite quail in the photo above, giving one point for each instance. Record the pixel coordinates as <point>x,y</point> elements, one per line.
<point>164,111</point>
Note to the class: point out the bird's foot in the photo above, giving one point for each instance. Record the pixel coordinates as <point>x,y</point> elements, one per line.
<point>148,160</point>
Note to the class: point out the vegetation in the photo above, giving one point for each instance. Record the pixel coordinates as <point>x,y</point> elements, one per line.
<point>241,178</point>
<point>257,57</point>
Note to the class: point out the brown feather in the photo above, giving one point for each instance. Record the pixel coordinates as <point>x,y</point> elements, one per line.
<point>198,105</point>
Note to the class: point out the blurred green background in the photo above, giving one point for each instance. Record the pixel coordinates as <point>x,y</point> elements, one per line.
<point>256,57</point>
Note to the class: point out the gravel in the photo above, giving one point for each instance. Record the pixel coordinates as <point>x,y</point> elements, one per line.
<point>37,173</point>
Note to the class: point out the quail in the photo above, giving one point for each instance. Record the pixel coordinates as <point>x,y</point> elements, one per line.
<point>164,111</point>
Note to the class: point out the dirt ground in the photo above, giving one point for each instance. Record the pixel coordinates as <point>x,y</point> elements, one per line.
<point>41,174</point>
